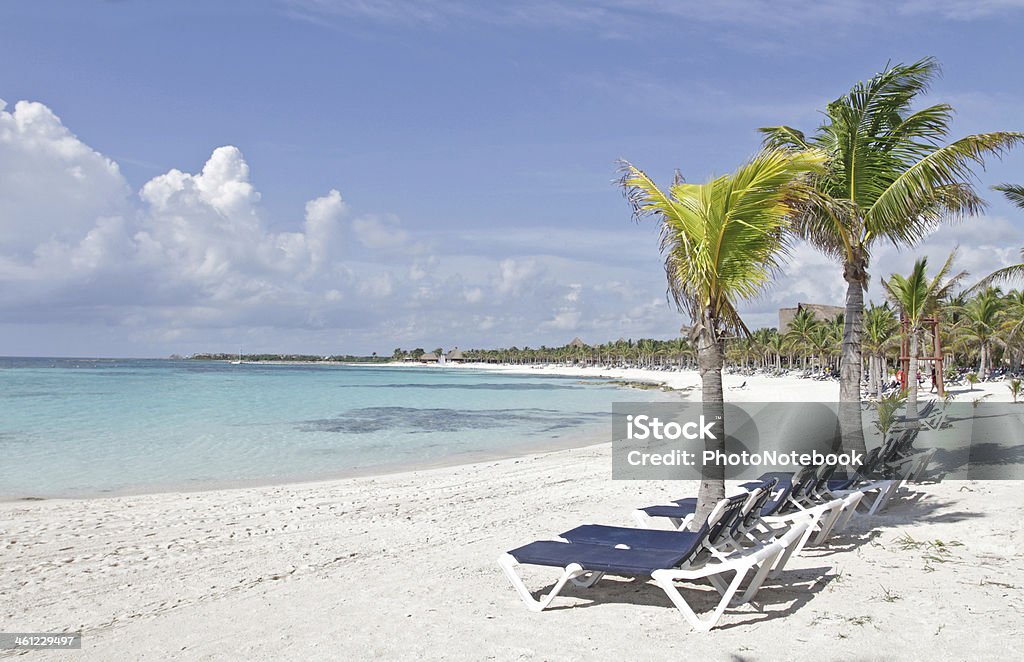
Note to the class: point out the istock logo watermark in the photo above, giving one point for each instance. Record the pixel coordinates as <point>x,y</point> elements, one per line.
<point>644,427</point>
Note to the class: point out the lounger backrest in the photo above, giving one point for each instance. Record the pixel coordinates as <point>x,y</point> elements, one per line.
<point>719,518</point>
<point>724,518</point>
<point>890,450</point>
<point>909,437</point>
<point>803,480</point>
<point>870,463</point>
<point>773,506</point>
<point>753,509</point>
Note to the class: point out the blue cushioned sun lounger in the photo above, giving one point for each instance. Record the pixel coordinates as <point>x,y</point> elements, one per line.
<point>584,563</point>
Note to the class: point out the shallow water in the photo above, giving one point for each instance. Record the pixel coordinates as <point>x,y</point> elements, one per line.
<point>81,427</point>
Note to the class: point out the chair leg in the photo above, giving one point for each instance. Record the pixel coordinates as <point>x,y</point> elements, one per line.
<point>508,565</point>
<point>783,558</point>
<point>850,504</point>
<point>884,493</point>
<point>666,580</point>
<point>828,521</point>
<point>764,570</point>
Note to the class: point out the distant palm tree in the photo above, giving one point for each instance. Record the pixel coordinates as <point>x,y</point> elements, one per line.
<point>1012,329</point>
<point>880,329</point>
<point>800,332</point>
<point>981,320</point>
<point>822,342</point>
<point>916,297</point>
<point>679,348</point>
<point>776,345</point>
<point>721,241</point>
<point>889,178</point>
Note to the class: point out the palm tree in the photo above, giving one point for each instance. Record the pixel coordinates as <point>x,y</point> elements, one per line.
<point>776,345</point>
<point>800,332</point>
<point>721,241</point>
<point>1013,327</point>
<point>822,342</point>
<point>880,327</point>
<point>889,178</point>
<point>916,298</point>
<point>980,324</point>
<point>678,349</point>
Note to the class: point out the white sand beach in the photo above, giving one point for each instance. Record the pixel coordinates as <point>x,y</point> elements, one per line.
<point>402,566</point>
<point>758,387</point>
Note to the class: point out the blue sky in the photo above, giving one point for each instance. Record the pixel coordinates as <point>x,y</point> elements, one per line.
<point>382,174</point>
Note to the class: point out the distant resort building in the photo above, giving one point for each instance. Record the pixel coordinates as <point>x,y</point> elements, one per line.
<point>454,356</point>
<point>576,342</point>
<point>428,357</point>
<point>821,312</point>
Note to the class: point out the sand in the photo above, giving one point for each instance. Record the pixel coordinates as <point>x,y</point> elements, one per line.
<point>739,387</point>
<point>402,566</point>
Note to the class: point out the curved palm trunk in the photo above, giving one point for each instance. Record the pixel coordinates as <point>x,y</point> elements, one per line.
<point>850,363</point>
<point>710,359</point>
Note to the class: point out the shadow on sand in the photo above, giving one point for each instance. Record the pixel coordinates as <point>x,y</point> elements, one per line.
<point>794,587</point>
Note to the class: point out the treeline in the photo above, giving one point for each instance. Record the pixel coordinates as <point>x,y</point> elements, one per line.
<point>297,358</point>
<point>981,331</point>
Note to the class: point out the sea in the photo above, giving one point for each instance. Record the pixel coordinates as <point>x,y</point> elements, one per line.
<point>92,427</point>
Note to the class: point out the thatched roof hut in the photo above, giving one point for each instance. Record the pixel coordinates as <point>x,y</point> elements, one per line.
<point>821,312</point>
<point>428,357</point>
<point>576,342</point>
<point>454,355</point>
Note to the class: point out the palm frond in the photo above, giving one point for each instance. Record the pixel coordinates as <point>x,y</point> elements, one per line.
<point>1013,192</point>
<point>783,137</point>
<point>913,202</point>
<point>723,239</point>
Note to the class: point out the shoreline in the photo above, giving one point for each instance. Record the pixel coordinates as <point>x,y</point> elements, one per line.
<point>684,384</point>
<point>580,440</point>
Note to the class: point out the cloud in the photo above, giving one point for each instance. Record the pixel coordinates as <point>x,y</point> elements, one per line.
<point>984,244</point>
<point>77,243</point>
<point>189,262</point>
<point>53,187</point>
<point>515,276</point>
<point>565,319</point>
<point>617,18</point>
<point>379,232</point>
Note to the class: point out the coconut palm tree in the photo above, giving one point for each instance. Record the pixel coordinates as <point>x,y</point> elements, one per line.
<point>776,345</point>
<point>679,348</point>
<point>1012,329</point>
<point>916,297</point>
<point>762,344</point>
<point>880,333</point>
<point>800,332</point>
<point>980,323</point>
<point>721,241</point>
<point>822,343</point>
<point>890,177</point>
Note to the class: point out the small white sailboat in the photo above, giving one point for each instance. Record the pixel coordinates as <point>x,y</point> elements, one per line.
<point>239,361</point>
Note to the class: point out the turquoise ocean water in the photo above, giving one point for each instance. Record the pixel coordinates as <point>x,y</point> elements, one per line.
<point>82,427</point>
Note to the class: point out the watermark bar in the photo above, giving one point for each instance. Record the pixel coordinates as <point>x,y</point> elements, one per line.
<point>40,640</point>
<point>693,440</point>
